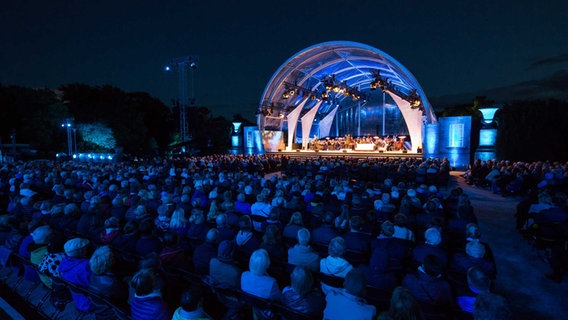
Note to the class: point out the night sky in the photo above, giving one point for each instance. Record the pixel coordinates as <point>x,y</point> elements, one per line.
<point>449,46</point>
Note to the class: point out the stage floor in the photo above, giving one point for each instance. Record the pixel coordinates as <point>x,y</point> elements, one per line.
<point>347,154</point>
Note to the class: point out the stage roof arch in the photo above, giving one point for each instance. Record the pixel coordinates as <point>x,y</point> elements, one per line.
<point>354,66</point>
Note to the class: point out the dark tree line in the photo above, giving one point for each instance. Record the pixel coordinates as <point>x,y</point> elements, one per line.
<point>533,130</point>
<point>141,124</point>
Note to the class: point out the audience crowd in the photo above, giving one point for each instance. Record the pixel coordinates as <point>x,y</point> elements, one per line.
<point>332,238</point>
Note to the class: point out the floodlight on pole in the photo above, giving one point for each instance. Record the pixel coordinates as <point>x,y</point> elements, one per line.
<point>67,125</point>
<point>184,65</point>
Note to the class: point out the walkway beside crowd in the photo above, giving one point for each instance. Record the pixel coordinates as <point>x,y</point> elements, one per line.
<point>521,267</point>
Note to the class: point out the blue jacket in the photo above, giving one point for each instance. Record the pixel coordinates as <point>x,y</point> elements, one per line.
<point>149,308</point>
<point>77,271</point>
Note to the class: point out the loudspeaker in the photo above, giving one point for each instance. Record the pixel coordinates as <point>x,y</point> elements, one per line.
<point>405,151</point>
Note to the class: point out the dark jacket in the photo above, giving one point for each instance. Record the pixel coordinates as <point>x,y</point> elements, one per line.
<point>421,251</point>
<point>202,256</point>
<point>428,289</point>
<point>108,285</point>
<point>311,303</point>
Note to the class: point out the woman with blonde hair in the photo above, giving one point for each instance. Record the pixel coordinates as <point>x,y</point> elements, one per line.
<point>179,223</point>
<point>214,210</point>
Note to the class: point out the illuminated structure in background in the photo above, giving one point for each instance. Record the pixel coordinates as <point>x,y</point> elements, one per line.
<point>236,139</point>
<point>487,135</point>
<point>341,88</point>
<point>184,65</point>
<point>455,140</point>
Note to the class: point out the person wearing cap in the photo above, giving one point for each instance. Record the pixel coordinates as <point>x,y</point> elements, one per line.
<point>75,269</point>
<point>348,303</point>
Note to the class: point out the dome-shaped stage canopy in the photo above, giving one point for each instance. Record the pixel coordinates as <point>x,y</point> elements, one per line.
<point>326,78</point>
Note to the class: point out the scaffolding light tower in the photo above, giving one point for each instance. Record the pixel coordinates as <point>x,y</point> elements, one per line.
<point>185,66</point>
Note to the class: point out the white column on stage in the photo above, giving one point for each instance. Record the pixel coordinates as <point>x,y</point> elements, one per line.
<point>325,123</point>
<point>307,121</point>
<point>413,119</point>
<point>292,119</point>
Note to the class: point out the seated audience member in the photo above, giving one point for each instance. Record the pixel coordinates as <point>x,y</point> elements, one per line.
<point>246,241</point>
<point>334,264</point>
<point>433,239</point>
<point>111,230</point>
<point>474,256</point>
<point>178,222</point>
<point>26,246</point>
<point>191,305</point>
<point>403,306</point>
<point>490,306</point>
<point>226,232</point>
<point>197,226</point>
<point>324,233</point>
<point>355,239</point>
<point>224,273</point>
<point>260,208</point>
<point>272,243</point>
<point>301,295</point>
<point>75,268</point>
<point>302,254</point>
<point>348,303</point>
<point>378,273</point>
<point>223,270</point>
<point>273,219</point>
<point>477,283</point>
<point>427,285</point>
<point>256,281</point>
<point>127,239</point>
<point>147,303</point>
<point>241,205</point>
<point>38,249</point>
<point>205,252</point>
<point>102,279</point>
<point>173,255</point>
<point>49,266</point>
<point>401,231</point>
<point>291,229</point>
<point>398,250</point>
<point>148,242</point>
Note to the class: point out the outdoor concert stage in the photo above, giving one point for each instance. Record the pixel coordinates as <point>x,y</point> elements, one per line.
<point>353,154</point>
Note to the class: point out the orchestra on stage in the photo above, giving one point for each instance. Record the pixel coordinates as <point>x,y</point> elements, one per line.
<point>367,143</point>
